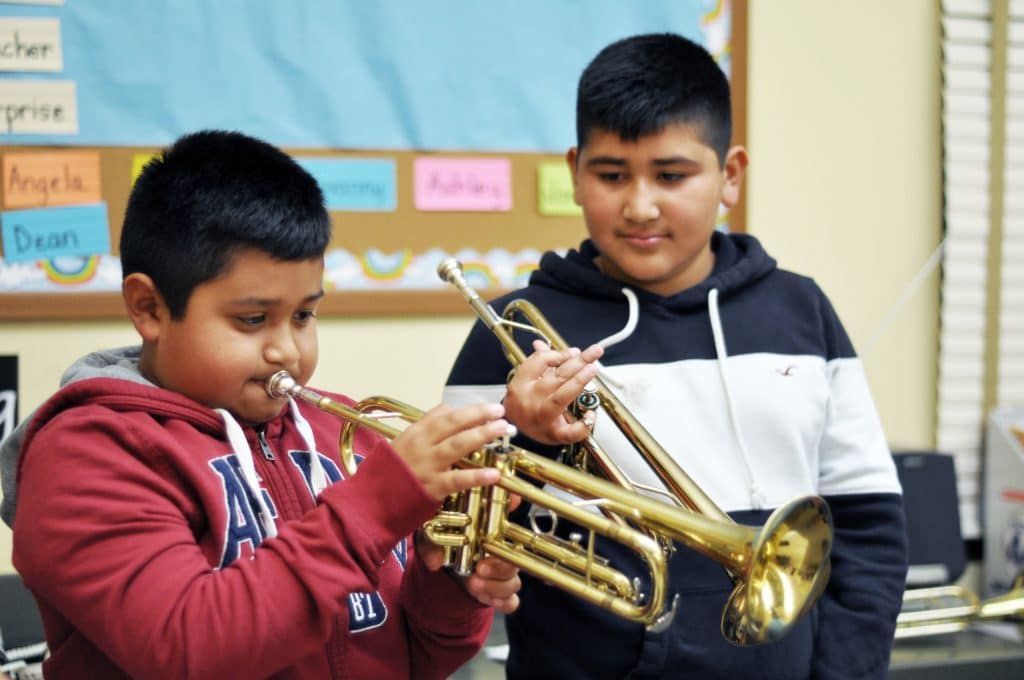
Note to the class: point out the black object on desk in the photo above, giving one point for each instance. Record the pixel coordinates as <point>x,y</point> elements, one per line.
<point>21,629</point>
<point>932,507</point>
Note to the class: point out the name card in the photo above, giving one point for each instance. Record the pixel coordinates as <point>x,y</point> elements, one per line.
<point>38,107</point>
<point>46,233</point>
<point>52,178</point>
<point>555,190</point>
<point>139,161</point>
<point>483,184</point>
<point>354,183</point>
<point>28,44</point>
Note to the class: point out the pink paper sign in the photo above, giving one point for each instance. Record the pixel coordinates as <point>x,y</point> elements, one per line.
<point>462,184</point>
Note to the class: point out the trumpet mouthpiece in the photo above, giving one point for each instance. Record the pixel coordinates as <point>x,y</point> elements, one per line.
<point>449,268</point>
<point>280,384</point>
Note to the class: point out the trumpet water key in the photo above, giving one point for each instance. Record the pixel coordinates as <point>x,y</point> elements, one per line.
<point>779,570</point>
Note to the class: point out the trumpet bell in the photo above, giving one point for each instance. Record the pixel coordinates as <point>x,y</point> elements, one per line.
<point>788,570</point>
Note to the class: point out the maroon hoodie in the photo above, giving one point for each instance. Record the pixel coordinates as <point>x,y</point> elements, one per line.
<point>150,557</point>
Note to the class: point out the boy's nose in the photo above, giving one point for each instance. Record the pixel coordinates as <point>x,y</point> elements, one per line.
<point>641,205</point>
<point>281,348</point>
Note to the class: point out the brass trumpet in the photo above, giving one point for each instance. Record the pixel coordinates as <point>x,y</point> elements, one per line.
<point>779,570</point>
<point>950,609</point>
<point>475,523</point>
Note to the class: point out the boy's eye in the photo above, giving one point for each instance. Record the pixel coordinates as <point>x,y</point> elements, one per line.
<point>610,176</point>
<point>252,320</point>
<point>305,315</point>
<point>671,176</point>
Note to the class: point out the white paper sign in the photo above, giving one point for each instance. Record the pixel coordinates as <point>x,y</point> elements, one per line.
<point>38,107</point>
<point>30,44</point>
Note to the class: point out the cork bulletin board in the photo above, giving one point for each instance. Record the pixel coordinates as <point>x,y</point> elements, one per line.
<point>380,260</point>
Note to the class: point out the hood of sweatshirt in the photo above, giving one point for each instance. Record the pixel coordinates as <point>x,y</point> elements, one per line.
<point>112,378</point>
<point>739,261</point>
<point>121,363</point>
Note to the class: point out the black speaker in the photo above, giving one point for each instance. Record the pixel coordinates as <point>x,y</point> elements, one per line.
<point>22,640</point>
<point>932,507</point>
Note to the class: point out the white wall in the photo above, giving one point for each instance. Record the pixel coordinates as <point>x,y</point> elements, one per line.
<point>843,132</point>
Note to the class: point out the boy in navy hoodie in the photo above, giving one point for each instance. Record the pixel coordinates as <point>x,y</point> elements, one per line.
<point>741,370</point>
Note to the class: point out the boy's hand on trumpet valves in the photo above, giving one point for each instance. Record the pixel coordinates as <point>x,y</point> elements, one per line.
<point>444,435</point>
<point>543,387</point>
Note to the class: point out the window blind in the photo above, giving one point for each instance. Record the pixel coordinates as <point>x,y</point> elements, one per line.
<point>966,139</point>
<point>1011,290</point>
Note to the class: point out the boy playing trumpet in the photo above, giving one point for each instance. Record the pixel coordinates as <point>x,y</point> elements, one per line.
<point>173,520</point>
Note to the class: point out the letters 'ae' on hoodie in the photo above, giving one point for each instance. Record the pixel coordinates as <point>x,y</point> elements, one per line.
<point>750,382</point>
<point>161,539</point>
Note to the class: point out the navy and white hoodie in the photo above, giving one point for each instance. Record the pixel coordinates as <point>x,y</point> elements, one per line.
<point>750,382</point>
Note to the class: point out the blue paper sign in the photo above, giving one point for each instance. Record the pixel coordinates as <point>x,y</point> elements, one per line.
<point>46,233</point>
<point>447,76</point>
<point>354,183</point>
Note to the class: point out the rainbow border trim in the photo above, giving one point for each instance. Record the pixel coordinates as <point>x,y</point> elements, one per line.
<point>379,267</point>
<point>83,273</point>
<point>480,275</point>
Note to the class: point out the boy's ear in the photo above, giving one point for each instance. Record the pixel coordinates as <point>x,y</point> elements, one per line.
<point>736,161</point>
<point>144,305</point>
<point>570,158</point>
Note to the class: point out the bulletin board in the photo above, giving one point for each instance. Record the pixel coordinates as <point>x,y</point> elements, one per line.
<point>515,69</point>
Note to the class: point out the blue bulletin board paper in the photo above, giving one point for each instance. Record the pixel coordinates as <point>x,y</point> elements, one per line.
<point>354,183</point>
<point>46,233</point>
<point>347,74</point>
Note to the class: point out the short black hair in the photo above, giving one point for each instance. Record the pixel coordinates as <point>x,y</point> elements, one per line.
<point>638,85</point>
<point>210,195</point>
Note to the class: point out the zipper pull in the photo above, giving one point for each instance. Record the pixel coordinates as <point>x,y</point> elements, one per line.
<point>261,436</point>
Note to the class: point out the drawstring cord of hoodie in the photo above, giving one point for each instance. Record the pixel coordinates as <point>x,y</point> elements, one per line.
<point>318,476</point>
<point>240,447</point>
<point>757,498</point>
<point>633,315</point>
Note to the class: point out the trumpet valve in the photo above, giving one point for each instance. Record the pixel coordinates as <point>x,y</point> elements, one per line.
<point>588,400</point>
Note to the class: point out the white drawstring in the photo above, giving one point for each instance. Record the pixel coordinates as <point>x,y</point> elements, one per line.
<point>631,319</point>
<point>757,499</point>
<point>633,315</point>
<point>318,476</point>
<point>241,449</point>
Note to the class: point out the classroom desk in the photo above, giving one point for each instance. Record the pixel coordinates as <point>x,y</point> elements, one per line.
<point>973,653</point>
